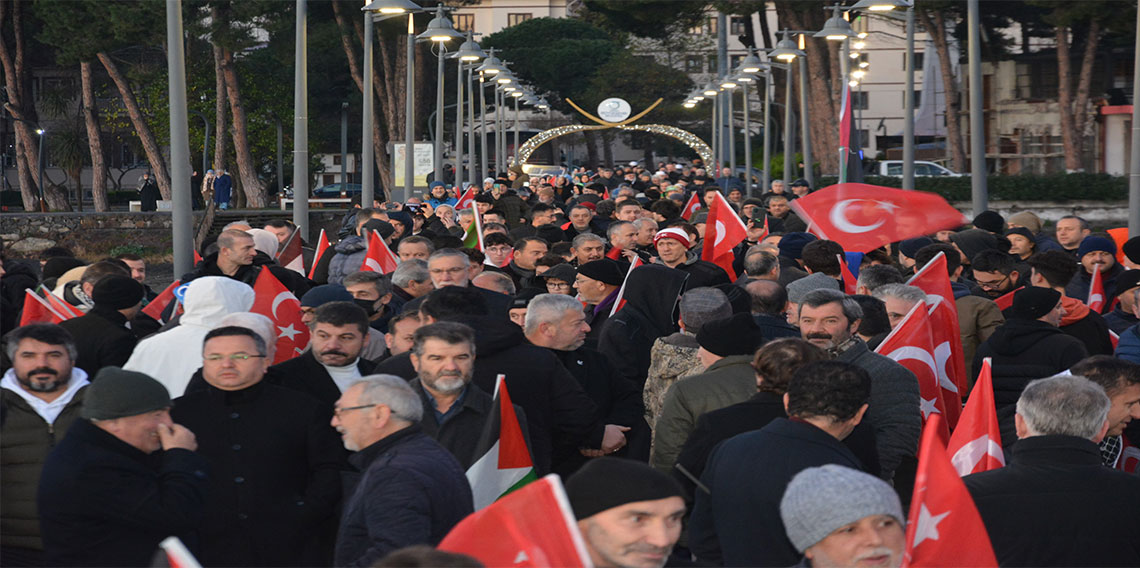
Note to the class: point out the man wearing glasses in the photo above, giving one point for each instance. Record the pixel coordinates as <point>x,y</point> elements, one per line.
<point>408,489</point>
<point>274,462</point>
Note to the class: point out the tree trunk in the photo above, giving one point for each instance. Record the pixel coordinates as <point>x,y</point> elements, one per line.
<point>592,160</point>
<point>1084,83</point>
<point>608,147</point>
<point>935,25</point>
<point>824,82</point>
<point>1065,101</point>
<point>252,187</point>
<point>150,145</point>
<point>94,140</point>
<point>16,83</point>
<point>220,129</point>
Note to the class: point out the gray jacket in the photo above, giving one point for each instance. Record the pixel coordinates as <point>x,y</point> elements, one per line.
<point>894,409</point>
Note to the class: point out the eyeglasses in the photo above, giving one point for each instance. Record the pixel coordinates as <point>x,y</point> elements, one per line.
<point>235,357</point>
<point>338,411</point>
<point>992,285</point>
<point>558,286</point>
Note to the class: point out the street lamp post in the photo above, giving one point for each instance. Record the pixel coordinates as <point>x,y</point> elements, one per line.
<point>979,191</point>
<point>805,124</point>
<point>344,147</point>
<point>745,76</point>
<point>43,134</point>
<point>469,52</point>
<point>787,51</point>
<point>440,31</point>
<point>767,178</point>
<point>838,29</point>
<point>301,125</point>
<point>181,213</point>
<point>728,85</point>
<point>206,143</point>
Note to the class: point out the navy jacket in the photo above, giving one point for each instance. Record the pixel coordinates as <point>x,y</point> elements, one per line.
<point>410,490</point>
<point>103,502</point>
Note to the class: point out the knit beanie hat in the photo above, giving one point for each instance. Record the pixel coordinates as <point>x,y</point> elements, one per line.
<point>116,393</point>
<point>402,218</point>
<point>117,292</point>
<point>1131,249</point>
<point>792,245</point>
<point>820,500</point>
<point>604,270</point>
<point>1033,302</point>
<point>56,266</point>
<point>910,247</point>
<point>973,241</point>
<point>673,233</point>
<point>1021,231</point>
<point>1091,244</point>
<point>814,281</point>
<point>380,226</point>
<point>737,335</point>
<point>608,482</point>
<point>318,296</point>
<point>1026,219</point>
<point>990,221</point>
<point>1126,281</point>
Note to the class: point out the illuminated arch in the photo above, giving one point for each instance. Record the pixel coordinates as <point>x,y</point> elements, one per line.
<point>691,140</point>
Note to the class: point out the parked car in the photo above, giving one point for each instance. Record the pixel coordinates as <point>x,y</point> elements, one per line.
<point>334,190</point>
<point>894,168</point>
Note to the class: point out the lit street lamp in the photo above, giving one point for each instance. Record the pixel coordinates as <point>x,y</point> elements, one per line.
<point>440,31</point>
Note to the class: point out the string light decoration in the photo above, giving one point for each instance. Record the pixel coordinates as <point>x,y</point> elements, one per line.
<point>688,138</point>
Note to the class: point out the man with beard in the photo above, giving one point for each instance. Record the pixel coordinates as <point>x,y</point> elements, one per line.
<point>1094,253</point>
<point>996,273</point>
<point>338,333</point>
<point>443,355</point>
<point>40,397</point>
<point>828,320</point>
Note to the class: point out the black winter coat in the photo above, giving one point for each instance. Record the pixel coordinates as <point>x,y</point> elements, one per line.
<point>739,523</point>
<point>1022,351</point>
<point>651,294</point>
<point>461,433</point>
<point>103,502</point>
<point>19,275</point>
<point>557,410</point>
<point>757,412</point>
<point>101,339</point>
<point>275,483</point>
<point>410,490</point>
<point>703,273</point>
<point>305,374</point>
<point>1054,504</point>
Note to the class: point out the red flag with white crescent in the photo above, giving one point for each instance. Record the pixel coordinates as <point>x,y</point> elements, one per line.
<point>951,359</point>
<point>691,206</point>
<point>910,344</point>
<point>467,199</point>
<point>37,310</point>
<point>1096,291</point>
<point>290,254</point>
<point>975,444</point>
<point>723,231</point>
<point>379,257</point>
<point>275,301</point>
<point>863,217</point>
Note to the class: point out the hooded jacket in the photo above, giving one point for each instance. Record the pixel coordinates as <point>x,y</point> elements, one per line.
<point>172,357</point>
<point>651,294</point>
<point>1085,325</point>
<point>1024,350</point>
<point>349,258</point>
<point>978,317</point>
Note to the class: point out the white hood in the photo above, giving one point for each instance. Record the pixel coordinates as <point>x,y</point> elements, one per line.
<point>210,298</point>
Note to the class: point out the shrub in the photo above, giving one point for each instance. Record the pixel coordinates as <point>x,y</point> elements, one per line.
<point>1054,187</point>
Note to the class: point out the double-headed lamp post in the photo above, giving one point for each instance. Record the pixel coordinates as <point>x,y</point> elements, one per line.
<point>490,68</point>
<point>440,31</point>
<point>468,54</point>
<point>745,76</point>
<point>836,28</point>
<point>786,51</point>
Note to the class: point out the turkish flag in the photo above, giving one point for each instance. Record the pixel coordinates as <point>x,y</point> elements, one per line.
<point>723,231</point>
<point>197,257</point>
<point>944,527</point>
<point>1006,300</point>
<point>322,246</point>
<point>848,278</point>
<point>614,254</point>
<point>944,330</point>
<point>1114,338</point>
<point>274,301</point>
<point>57,304</point>
<point>910,344</point>
<point>290,254</point>
<point>157,306</point>
<point>1096,291</point>
<point>864,217</point>
<point>379,257</point>
<point>975,445</point>
<point>532,527</point>
<point>37,310</point>
<point>691,206</point>
<point>467,199</point>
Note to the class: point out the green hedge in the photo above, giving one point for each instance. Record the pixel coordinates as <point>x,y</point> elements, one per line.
<point>1055,187</point>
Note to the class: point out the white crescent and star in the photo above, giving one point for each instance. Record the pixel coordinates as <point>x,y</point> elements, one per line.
<point>970,455</point>
<point>927,525</point>
<point>288,331</point>
<point>838,216</point>
<point>928,407</point>
<point>277,301</point>
<point>720,231</point>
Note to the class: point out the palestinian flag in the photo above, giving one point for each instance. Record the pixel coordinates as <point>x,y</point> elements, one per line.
<point>506,465</point>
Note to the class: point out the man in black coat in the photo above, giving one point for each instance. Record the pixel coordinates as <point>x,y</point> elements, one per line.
<point>408,490</point>
<point>102,338</point>
<point>737,522</point>
<point>1027,346</point>
<point>274,460</point>
<point>557,410</point>
<point>769,303</point>
<point>1054,269</point>
<point>651,294</point>
<point>1054,503</point>
<point>672,246</point>
<point>556,322</point>
<point>236,258</point>
<point>337,336</point>
<point>123,479</point>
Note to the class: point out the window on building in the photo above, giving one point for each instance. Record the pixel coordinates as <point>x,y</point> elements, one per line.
<point>712,63</point>
<point>859,100</point>
<point>1037,80</point>
<point>513,19</point>
<point>336,159</point>
<point>712,26</point>
<point>919,60</point>
<point>737,25</point>
<point>463,22</point>
<point>734,61</point>
<point>694,64</point>
<point>917,98</point>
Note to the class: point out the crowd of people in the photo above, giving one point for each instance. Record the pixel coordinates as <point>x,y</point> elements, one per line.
<point>696,415</point>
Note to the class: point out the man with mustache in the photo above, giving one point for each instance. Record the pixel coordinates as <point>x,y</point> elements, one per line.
<point>1095,253</point>
<point>338,333</point>
<point>443,355</point>
<point>40,395</point>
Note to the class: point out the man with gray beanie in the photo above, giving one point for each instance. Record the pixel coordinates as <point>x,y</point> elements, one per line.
<point>838,516</point>
<point>629,514</point>
<point>102,337</point>
<point>123,479</point>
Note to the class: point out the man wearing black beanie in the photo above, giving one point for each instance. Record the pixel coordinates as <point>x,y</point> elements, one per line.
<point>102,337</point>
<point>607,493</point>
